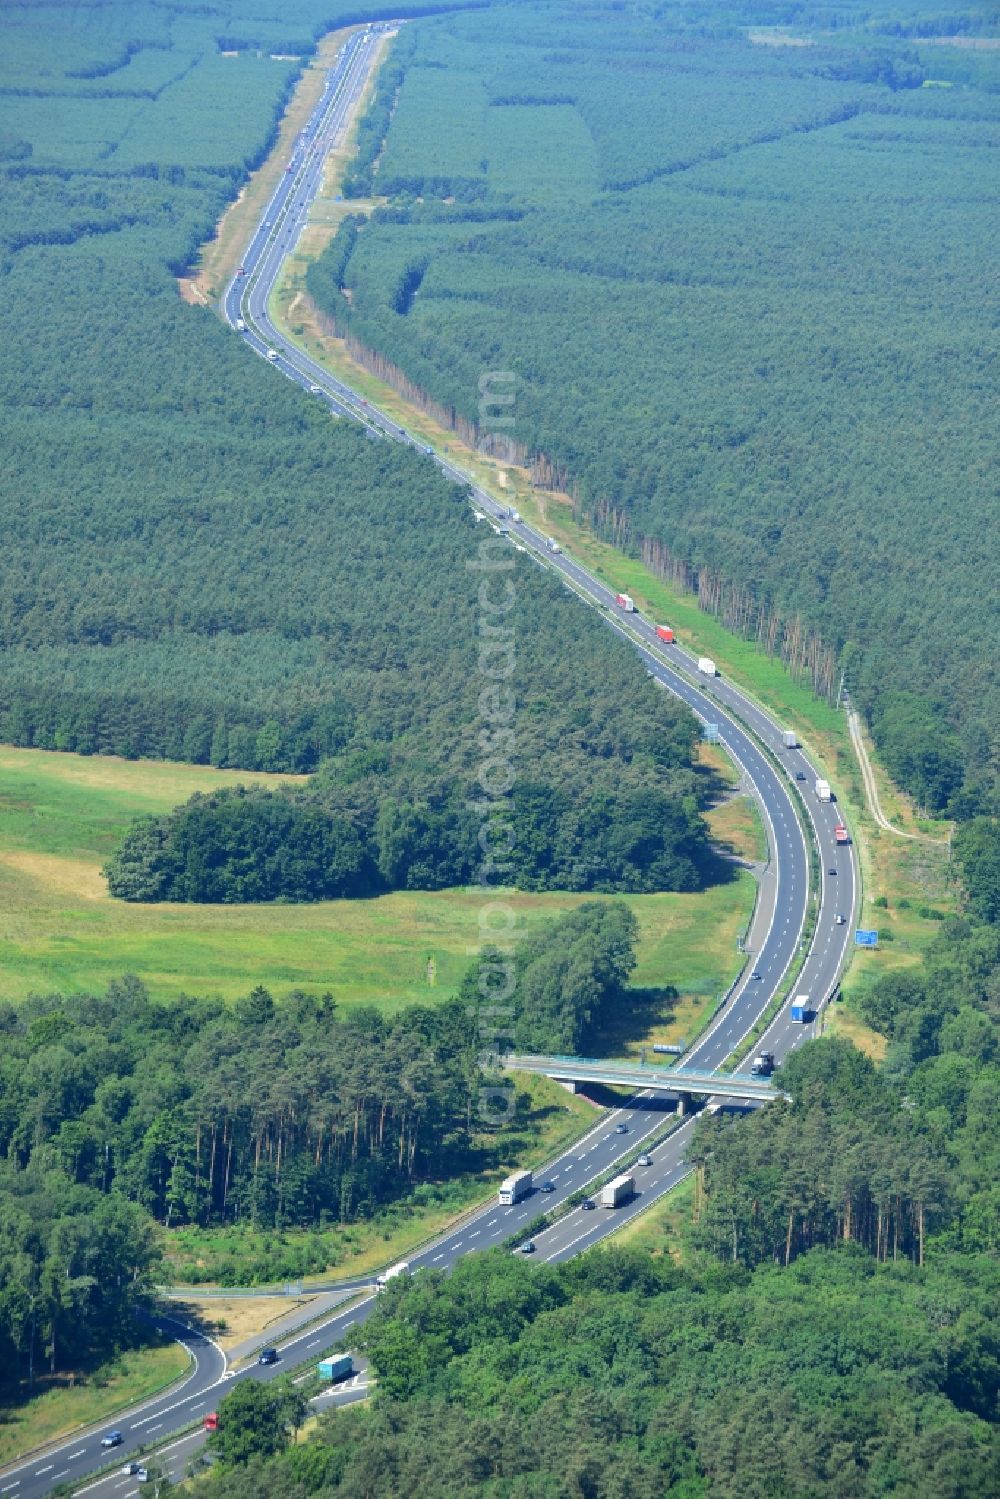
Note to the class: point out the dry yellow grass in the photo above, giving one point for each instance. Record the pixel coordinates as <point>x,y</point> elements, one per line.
<point>243,1316</point>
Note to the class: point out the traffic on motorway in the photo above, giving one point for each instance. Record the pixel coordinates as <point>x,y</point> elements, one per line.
<point>780,776</point>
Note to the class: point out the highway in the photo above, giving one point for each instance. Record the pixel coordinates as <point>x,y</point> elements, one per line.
<point>774,942</point>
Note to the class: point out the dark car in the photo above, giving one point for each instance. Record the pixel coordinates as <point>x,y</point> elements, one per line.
<point>528,1247</point>
<point>621,1129</point>
<point>268,1356</point>
<point>757,974</point>
<point>800,775</point>
<point>547,1187</point>
<point>831,870</point>
<point>588,1203</point>
<point>113,1439</point>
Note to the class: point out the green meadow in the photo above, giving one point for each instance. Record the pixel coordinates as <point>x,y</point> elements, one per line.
<point>61,815</point>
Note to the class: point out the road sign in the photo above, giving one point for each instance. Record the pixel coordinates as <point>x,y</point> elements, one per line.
<point>864,938</point>
<point>712,733</point>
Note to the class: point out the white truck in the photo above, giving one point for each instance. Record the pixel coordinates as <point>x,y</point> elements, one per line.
<point>706,666</point>
<point>241,326</point>
<point>514,1188</point>
<point>614,1193</point>
<point>403,1268</point>
<point>823,791</point>
<point>272,354</point>
<point>552,544</point>
<point>790,739</point>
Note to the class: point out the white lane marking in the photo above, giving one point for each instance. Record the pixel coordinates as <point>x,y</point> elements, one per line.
<point>79,1453</point>
<point>47,1469</point>
<point>475,1234</point>
<point>438,1257</point>
<point>57,1476</point>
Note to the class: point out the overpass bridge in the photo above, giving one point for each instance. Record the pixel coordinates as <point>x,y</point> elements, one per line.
<point>683,1081</point>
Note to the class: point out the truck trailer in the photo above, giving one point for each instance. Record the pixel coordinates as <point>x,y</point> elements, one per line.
<point>665,633</point>
<point>841,834</point>
<point>706,666</point>
<point>618,1191</point>
<point>801,1008</point>
<point>337,1366</point>
<point>790,739</point>
<point>823,791</point>
<point>626,602</point>
<point>514,1188</point>
<point>403,1268</point>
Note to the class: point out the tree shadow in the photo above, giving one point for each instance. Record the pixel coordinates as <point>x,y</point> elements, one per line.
<point>633,1018</point>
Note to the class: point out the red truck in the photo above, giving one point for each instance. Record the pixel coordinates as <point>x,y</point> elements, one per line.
<point>211,1421</point>
<point>840,833</point>
<point>665,633</point>
<point>624,601</point>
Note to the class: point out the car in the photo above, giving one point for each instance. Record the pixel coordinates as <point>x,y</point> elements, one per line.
<point>131,1469</point>
<point>588,1203</point>
<point>315,390</point>
<point>268,1356</point>
<point>621,1129</point>
<point>800,775</point>
<point>757,974</point>
<point>528,1247</point>
<point>840,920</point>
<point>112,1439</point>
<point>242,271</point>
<point>645,1160</point>
<point>547,1187</point>
<point>832,870</point>
<point>141,1475</point>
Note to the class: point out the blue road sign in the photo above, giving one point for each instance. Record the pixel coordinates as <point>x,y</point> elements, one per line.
<point>865,939</point>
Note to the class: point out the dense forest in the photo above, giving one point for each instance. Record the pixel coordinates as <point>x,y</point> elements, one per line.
<point>831,1327</point>
<point>115,1111</point>
<point>745,313</point>
<point>200,564</point>
<point>619,1377</point>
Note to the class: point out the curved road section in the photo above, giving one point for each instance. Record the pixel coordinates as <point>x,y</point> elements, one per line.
<point>775,942</point>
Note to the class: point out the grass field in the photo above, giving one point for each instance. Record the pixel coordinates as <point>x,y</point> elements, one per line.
<point>66,1404</point>
<point>61,815</point>
<point>659,1231</point>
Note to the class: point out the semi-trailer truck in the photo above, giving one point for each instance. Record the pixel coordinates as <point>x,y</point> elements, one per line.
<point>626,602</point>
<point>665,634</point>
<point>337,1366</point>
<point>514,1188</point>
<point>706,666</point>
<point>823,791</point>
<point>801,1008</point>
<point>614,1193</point>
